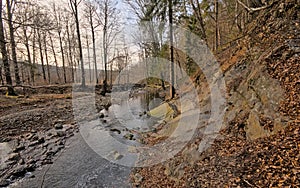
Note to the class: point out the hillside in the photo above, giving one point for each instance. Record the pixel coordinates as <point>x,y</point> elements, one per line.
<point>259,143</point>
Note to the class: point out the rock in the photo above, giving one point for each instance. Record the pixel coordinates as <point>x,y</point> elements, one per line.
<point>117,155</point>
<point>138,178</point>
<point>33,131</point>
<point>29,175</point>
<point>58,126</point>
<point>34,143</point>
<point>61,133</point>
<point>19,172</point>
<point>115,130</point>
<point>132,149</point>
<point>128,136</point>
<point>41,140</point>
<point>167,171</point>
<point>19,148</point>
<point>4,183</point>
<point>13,157</point>
<point>253,128</point>
<point>101,115</point>
<point>21,161</point>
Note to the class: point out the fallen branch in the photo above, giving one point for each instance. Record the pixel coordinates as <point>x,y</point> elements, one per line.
<point>252,9</point>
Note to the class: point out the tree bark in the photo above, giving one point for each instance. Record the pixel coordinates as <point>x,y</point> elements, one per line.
<point>74,6</point>
<point>94,50</point>
<point>62,56</point>
<point>89,62</point>
<point>47,60</point>
<point>105,47</point>
<point>55,58</point>
<point>13,43</point>
<point>172,90</point>
<point>70,53</point>
<point>10,89</point>
<point>29,55</point>
<point>217,42</point>
<point>41,55</point>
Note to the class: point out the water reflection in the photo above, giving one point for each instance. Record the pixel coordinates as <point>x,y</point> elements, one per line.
<point>132,111</point>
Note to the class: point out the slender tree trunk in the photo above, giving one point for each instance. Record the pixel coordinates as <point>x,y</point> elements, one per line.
<point>29,55</point>
<point>70,52</point>
<point>1,78</point>
<point>111,73</point>
<point>13,43</point>
<point>41,55</point>
<point>47,60</point>
<point>89,62</point>
<point>55,58</point>
<point>33,55</point>
<point>172,91</point>
<point>10,90</point>
<point>217,25</point>
<point>62,56</point>
<point>94,53</point>
<point>74,6</point>
<point>105,49</point>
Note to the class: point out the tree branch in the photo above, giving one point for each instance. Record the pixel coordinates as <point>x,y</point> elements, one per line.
<point>251,10</point>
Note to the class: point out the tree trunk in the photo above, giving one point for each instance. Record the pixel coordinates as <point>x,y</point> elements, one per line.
<point>41,55</point>
<point>29,55</point>
<point>47,60</point>
<point>89,62</point>
<point>94,53</point>
<point>172,91</point>
<point>70,53</point>
<point>55,58</point>
<point>13,43</point>
<point>74,6</point>
<point>217,25</point>
<point>105,49</point>
<point>1,78</point>
<point>33,55</point>
<point>62,56</point>
<point>10,89</point>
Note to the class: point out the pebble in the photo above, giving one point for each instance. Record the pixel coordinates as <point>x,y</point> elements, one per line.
<point>58,126</point>
<point>61,133</point>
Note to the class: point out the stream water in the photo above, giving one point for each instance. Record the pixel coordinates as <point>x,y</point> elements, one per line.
<point>89,159</point>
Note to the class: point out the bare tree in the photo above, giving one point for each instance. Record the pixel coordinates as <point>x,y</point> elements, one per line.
<point>41,54</point>
<point>90,13</point>
<point>10,90</point>
<point>12,40</point>
<point>74,6</point>
<point>46,56</point>
<point>108,17</point>
<point>54,56</point>
<point>88,56</point>
<point>59,26</point>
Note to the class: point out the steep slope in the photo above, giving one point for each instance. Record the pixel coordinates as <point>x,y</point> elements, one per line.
<point>259,145</point>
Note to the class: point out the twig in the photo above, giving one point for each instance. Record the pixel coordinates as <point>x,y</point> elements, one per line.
<point>250,184</point>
